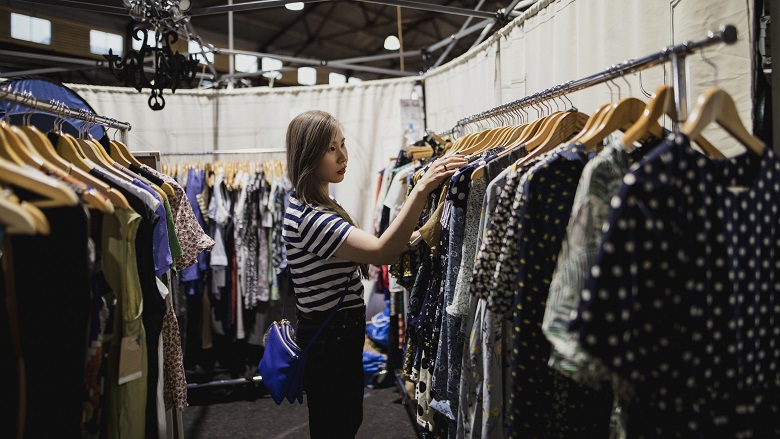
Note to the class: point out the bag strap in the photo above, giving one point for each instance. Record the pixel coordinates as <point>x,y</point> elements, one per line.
<point>330,316</point>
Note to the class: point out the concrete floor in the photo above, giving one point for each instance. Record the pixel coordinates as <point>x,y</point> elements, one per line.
<point>243,411</point>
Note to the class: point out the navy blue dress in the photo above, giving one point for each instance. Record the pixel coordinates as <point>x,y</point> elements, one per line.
<point>681,302</point>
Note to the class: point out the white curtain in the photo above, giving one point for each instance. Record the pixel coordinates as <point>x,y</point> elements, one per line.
<point>258,117</point>
<point>561,40</point>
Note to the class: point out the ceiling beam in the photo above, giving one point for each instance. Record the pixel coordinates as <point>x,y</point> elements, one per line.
<point>319,62</point>
<point>434,7</point>
<point>246,6</point>
<point>262,4</point>
<point>83,6</point>
<point>289,26</point>
<point>454,42</point>
<point>317,32</point>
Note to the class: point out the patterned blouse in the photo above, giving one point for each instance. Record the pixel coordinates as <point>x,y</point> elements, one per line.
<point>542,402</point>
<point>680,301</point>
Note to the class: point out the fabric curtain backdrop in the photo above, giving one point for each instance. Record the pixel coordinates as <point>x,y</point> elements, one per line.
<point>556,41</point>
<point>208,120</point>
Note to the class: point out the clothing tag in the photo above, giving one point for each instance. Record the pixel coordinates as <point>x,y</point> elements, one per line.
<point>130,356</point>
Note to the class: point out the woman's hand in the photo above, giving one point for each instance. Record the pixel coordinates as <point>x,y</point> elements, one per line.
<point>439,170</point>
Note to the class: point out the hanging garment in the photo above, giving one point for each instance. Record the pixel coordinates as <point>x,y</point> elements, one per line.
<point>600,180</point>
<point>126,403</point>
<point>473,365</point>
<point>52,312</point>
<point>453,336</point>
<point>679,303</point>
<point>572,410</point>
<point>191,236</point>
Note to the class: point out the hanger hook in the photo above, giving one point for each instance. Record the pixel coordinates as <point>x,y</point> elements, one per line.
<point>28,98</point>
<point>550,99</point>
<point>62,115</point>
<point>94,123</point>
<point>561,95</point>
<point>630,90</point>
<point>546,101</point>
<point>571,104</point>
<point>642,86</point>
<point>56,110</point>
<point>82,125</point>
<point>611,92</point>
<point>554,98</point>
<point>711,64</point>
<point>87,123</point>
<point>559,98</point>
<point>612,80</point>
<point>534,103</point>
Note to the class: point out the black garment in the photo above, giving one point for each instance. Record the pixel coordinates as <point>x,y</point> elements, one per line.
<point>52,308</point>
<point>333,379</point>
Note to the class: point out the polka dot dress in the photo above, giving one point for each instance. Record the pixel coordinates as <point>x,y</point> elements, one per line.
<point>681,304</point>
<point>543,403</point>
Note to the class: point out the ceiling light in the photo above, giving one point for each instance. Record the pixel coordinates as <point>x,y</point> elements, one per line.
<point>392,43</point>
<point>294,6</point>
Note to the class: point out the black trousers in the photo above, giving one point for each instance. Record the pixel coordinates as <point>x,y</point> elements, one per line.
<point>333,380</point>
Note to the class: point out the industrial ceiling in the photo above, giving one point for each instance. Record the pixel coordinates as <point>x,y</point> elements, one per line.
<point>346,37</point>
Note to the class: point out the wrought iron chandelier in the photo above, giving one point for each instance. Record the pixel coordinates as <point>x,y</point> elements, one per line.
<point>169,67</point>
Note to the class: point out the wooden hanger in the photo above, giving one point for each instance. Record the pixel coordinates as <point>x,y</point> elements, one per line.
<point>512,135</point>
<point>715,105</point>
<point>593,121</point>
<point>622,116</point>
<point>8,147</point>
<point>55,193</point>
<point>563,127</point>
<point>528,132</point>
<point>86,149</point>
<point>18,220</point>
<point>41,222</point>
<point>121,154</point>
<point>119,149</point>
<point>100,154</point>
<point>31,157</point>
<point>546,127</point>
<point>43,147</point>
<point>662,103</point>
<point>92,152</point>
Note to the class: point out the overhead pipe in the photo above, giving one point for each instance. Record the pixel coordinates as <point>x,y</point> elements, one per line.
<point>454,42</point>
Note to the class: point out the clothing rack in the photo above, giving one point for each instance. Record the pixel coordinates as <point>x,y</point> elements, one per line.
<point>26,99</point>
<point>226,151</point>
<point>675,54</point>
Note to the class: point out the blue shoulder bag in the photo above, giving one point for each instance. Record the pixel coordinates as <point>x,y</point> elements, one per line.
<point>283,363</point>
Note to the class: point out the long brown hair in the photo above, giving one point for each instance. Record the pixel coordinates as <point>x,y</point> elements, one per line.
<point>308,138</point>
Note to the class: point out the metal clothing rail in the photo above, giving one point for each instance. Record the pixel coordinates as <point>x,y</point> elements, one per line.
<point>223,151</point>
<point>26,99</point>
<point>676,54</point>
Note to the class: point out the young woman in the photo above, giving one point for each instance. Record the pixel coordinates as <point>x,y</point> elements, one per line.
<point>327,254</point>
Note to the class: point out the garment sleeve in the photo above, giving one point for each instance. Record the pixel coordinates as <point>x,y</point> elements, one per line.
<point>317,232</point>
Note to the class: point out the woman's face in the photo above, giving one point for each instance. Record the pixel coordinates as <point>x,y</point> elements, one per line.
<point>333,165</point>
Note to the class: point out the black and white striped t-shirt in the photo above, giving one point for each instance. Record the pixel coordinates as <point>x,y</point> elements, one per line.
<point>312,234</point>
